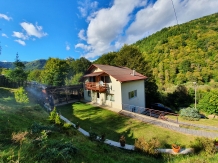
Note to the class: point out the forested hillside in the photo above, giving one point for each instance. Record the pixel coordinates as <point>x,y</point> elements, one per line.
<point>6,64</point>
<point>37,64</point>
<point>183,53</point>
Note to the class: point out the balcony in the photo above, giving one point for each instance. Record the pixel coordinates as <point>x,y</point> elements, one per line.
<point>96,86</point>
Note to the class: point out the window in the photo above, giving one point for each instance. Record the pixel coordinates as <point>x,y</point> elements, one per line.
<point>110,97</point>
<point>107,79</point>
<point>132,94</point>
<point>89,93</point>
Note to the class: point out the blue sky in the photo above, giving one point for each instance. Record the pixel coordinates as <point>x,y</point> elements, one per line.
<point>39,29</point>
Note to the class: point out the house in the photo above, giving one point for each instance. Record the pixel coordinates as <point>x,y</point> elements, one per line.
<point>114,86</point>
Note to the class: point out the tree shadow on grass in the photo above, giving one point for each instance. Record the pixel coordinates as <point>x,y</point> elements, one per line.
<point>6,97</point>
<point>101,121</point>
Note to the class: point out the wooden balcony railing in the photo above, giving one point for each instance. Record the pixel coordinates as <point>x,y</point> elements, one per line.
<point>95,86</point>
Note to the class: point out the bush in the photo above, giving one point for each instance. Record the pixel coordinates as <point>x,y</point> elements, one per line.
<point>148,147</point>
<point>57,151</point>
<point>67,125</point>
<point>204,145</point>
<point>57,119</point>
<point>21,96</point>
<point>38,128</point>
<point>53,114</point>
<point>18,137</point>
<point>190,114</point>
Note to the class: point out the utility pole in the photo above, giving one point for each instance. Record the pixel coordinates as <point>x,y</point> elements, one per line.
<point>195,85</point>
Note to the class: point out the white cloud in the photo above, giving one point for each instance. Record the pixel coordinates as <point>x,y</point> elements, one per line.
<point>4,35</point>
<point>83,46</point>
<point>32,30</point>
<point>128,21</point>
<point>3,16</point>
<point>20,42</point>
<point>67,46</point>
<point>81,34</point>
<point>85,7</point>
<point>20,35</point>
<point>107,25</point>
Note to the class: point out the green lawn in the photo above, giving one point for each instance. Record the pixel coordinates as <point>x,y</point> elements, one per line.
<point>205,122</point>
<point>105,121</point>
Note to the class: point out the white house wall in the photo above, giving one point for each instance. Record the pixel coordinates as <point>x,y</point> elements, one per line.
<point>115,89</point>
<point>127,87</point>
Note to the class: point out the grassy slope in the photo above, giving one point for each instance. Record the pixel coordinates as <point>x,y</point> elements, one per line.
<point>15,118</point>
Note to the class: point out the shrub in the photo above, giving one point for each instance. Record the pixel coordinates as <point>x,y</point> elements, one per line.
<point>191,114</point>
<point>18,137</point>
<point>21,96</point>
<point>38,128</point>
<point>148,147</point>
<point>67,125</point>
<point>57,119</point>
<point>205,145</point>
<point>57,151</point>
<point>53,114</point>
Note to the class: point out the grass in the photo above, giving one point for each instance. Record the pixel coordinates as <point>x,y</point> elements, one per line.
<point>101,121</point>
<point>16,119</point>
<point>202,121</point>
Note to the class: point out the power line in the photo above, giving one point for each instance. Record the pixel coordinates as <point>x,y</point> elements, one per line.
<point>174,12</point>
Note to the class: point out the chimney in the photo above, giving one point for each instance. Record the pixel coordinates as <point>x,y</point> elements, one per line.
<point>133,72</point>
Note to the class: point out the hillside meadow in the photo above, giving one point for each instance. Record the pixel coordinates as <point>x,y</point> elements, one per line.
<point>26,135</point>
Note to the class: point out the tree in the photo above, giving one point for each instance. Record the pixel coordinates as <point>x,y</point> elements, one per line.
<point>107,59</point>
<point>34,75</point>
<point>179,98</point>
<point>209,102</point>
<point>17,74</point>
<point>80,65</point>
<point>131,57</point>
<point>74,79</point>
<point>55,72</point>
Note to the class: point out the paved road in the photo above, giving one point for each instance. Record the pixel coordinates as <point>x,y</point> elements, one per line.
<point>200,132</point>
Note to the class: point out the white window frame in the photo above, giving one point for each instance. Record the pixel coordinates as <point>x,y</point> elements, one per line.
<point>132,94</point>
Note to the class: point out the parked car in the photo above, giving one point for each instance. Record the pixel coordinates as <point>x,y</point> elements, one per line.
<point>161,107</point>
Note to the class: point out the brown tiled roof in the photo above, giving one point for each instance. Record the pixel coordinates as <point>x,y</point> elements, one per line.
<point>122,74</point>
<point>93,74</point>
